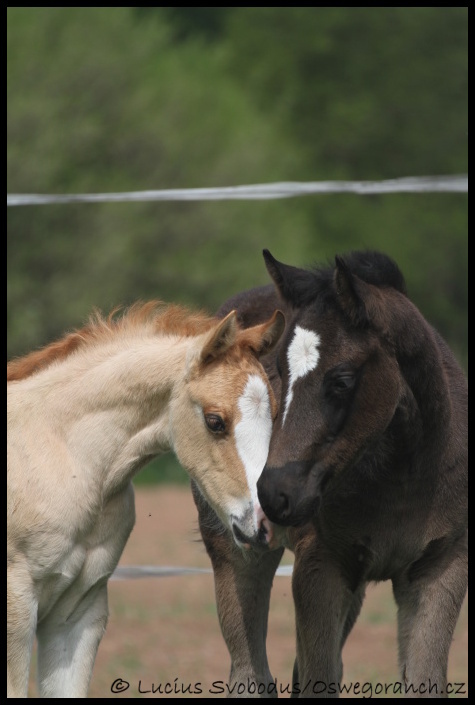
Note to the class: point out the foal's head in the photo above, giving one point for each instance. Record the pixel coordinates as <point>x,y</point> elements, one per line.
<point>341,383</point>
<point>219,403</point>
<point>221,416</point>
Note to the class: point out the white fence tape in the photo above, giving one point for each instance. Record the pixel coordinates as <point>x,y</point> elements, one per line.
<point>290,189</point>
<point>152,571</point>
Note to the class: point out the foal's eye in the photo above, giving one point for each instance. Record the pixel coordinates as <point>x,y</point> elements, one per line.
<point>215,423</point>
<point>339,383</point>
<point>343,383</point>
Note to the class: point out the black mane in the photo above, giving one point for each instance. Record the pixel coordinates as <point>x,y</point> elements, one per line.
<point>376,268</point>
<point>316,284</point>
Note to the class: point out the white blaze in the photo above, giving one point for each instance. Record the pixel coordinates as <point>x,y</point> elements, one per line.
<point>303,356</point>
<point>254,430</point>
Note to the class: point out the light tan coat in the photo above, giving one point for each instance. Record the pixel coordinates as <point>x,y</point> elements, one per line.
<point>84,416</point>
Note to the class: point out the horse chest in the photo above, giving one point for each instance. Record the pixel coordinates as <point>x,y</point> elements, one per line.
<point>372,538</point>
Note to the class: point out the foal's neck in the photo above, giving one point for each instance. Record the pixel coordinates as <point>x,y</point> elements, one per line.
<point>120,421</point>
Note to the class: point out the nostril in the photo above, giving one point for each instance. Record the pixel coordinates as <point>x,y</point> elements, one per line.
<point>265,534</point>
<point>276,504</point>
<point>283,505</point>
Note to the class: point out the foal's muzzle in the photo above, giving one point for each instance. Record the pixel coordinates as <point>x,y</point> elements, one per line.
<point>261,538</point>
<point>289,495</point>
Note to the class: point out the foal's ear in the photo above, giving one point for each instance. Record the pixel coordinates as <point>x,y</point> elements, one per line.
<point>220,338</point>
<point>347,287</point>
<point>360,301</point>
<point>265,336</point>
<point>293,284</point>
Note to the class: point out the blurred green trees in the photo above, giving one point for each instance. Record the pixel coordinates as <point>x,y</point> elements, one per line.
<point>127,99</point>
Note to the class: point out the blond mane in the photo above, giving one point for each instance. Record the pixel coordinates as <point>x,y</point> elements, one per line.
<point>151,317</point>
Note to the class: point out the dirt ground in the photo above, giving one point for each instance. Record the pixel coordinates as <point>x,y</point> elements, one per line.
<point>163,632</point>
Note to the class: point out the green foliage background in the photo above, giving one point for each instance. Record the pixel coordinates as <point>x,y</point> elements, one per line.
<point>128,99</point>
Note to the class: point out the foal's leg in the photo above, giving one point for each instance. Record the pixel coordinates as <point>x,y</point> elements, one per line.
<point>429,599</point>
<point>243,585</point>
<point>69,635</point>
<point>21,626</point>
<point>325,611</point>
<point>68,643</point>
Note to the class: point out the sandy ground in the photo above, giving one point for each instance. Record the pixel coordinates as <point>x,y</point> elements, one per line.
<point>163,632</point>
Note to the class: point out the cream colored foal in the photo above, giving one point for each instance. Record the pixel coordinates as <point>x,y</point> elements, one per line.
<point>85,414</point>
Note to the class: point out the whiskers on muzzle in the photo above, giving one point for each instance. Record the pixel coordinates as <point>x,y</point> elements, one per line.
<point>254,531</point>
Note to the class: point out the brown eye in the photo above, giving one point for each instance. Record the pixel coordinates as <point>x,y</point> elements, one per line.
<point>343,383</point>
<point>340,382</point>
<point>215,423</point>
